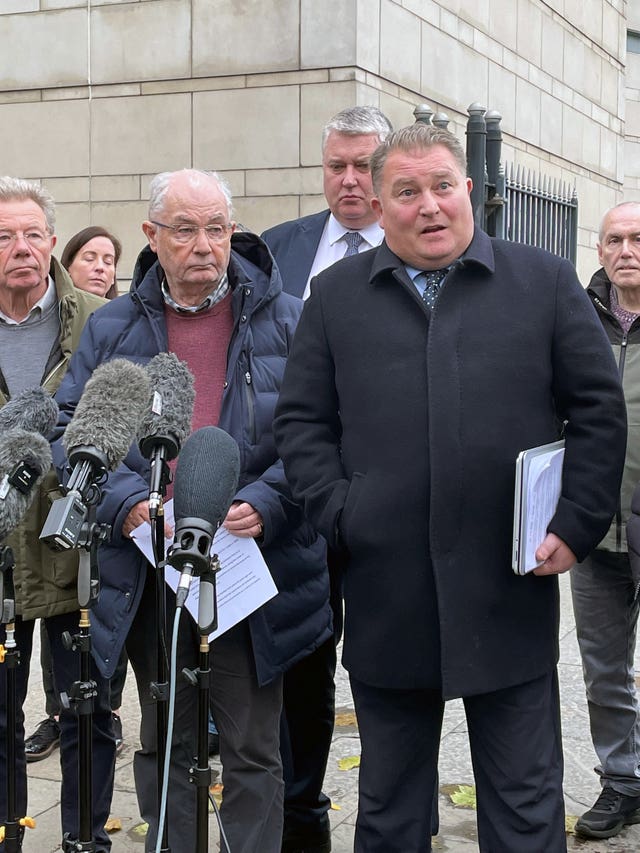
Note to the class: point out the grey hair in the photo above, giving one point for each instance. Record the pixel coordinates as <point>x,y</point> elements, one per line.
<point>16,189</point>
<point>159,186</point>
<point>417,136</point>
<point>601,227</point>
<point>354,121</point>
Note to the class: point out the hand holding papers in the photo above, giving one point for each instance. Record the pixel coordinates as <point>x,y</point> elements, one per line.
<point>538,487</point>
<point>244,582</point>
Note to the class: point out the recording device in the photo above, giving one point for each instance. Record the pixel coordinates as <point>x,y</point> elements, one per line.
<point>205,484</point>
<point>96,441</point>
<point>33,410</point>
<point>25,458</point>
<point>167,422</point>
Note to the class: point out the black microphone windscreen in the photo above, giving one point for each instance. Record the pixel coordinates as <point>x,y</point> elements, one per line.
<point>206,477</point>
<point>168,417</point>
<point>25,458</point>
<point>109,410</point>
<point>33,410</point>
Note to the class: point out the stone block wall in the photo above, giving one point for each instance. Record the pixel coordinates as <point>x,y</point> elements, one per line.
<point>96,97</point>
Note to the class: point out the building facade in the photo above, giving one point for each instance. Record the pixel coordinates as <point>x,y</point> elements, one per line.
<point>96,96</point>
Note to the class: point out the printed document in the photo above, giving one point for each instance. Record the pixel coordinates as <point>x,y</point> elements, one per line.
<point>243,583</point>
<point>538,488</point>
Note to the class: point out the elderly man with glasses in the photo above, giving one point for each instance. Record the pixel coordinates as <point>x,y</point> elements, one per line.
<point>214,298</point>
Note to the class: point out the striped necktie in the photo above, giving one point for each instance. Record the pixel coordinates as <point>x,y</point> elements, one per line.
<point>353,240</point>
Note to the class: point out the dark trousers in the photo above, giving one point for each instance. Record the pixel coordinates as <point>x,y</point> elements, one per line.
<point>66,667</point>
<point>52,699</point>
<point>516,752</point>
<point>307,721</point>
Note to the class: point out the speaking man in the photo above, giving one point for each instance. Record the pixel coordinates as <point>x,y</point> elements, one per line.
<point>418,373</point>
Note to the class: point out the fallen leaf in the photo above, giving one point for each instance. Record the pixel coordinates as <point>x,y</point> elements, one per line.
<point>464,796</point>
<point>349,763</point>
<point>141,829</point>
<point>114,824</point>
<point>347,718</point>
<point>570,821</point>
<point>336,807</point>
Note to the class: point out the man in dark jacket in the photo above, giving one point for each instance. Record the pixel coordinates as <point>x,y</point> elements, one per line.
<point>407,397</point>
<point>604,586</point>
<point>41,317</point>
<point>302,248</point>
<point>215,299</point>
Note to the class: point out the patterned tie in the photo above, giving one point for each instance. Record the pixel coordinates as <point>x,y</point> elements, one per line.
<point>433,282</point>
<point>353,240</point>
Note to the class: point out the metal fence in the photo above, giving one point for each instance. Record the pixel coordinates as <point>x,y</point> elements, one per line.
<point>520,205</point>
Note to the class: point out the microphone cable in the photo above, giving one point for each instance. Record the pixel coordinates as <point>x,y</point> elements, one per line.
<point>170,722</point>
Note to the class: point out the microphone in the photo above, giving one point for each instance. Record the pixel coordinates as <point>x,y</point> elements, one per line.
<point>205,484</point>
<point>167,422</point>
<point>96,441</point>
<point>25,458</point>
<point>33,410</point>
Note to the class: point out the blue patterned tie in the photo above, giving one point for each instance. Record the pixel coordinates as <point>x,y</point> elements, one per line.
<point>353,240</point>
<point>433,282</point>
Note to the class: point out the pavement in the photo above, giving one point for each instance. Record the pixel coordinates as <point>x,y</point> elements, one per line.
<point>457,824</point>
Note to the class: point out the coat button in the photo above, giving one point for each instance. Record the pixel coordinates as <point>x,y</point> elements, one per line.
<point>243,319</point>
<point>226,384</point>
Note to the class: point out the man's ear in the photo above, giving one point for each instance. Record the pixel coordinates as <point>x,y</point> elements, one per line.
<point>376,206</point>
<point>150,232</point>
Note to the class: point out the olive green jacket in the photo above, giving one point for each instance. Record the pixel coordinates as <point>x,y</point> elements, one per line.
<point>45,581</point>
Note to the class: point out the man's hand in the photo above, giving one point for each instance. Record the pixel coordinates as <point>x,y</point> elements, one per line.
<point>555,555</point>
<point>243,520</point>
<point>137,514</point>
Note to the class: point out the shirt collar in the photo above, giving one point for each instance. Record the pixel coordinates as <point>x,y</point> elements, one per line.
<point>216,296</point>
<point>371,234</point>
<point>42,306</point>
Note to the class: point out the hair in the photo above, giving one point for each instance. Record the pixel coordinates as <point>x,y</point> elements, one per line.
<point>81,239</point>
<point>415,137</point>
<point>159,187</point>
<point>354,121</point>
<point>16,189</point>
<point>601,227</point>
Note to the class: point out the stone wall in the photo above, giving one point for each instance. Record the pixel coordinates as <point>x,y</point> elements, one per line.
<point>97,97</point>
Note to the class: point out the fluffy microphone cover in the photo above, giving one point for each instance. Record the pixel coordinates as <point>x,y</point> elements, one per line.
<point>34,410</point>
<point>109,411</point>
<point>16,446</point>
<point>206,477</point>
<point>172,395</point>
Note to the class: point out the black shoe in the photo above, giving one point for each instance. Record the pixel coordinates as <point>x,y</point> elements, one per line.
<point>43,741</point>
<point>117,732</point>
<point>214,743</point>
<point>610,812</point>
<point>307,842</point>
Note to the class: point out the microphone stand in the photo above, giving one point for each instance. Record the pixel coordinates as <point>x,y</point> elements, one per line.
<point>200,773</point>
<point>160,478</point>
<point>13,829</point>
<point>83,692</point>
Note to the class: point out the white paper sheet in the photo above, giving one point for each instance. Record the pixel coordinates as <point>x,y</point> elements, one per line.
<point>243,583</point>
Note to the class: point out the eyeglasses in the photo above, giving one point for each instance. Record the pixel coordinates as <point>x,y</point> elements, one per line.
<point>36,239</point>
<point>187,233</point>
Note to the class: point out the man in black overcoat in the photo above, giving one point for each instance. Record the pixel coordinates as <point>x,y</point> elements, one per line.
<point>407,397</point>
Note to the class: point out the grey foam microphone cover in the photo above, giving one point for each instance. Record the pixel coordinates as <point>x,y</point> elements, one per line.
<point>109,411</point>
<point>33,410</point>
<point>169,415</point>
<point>20,446</point>
<point>206,477</point>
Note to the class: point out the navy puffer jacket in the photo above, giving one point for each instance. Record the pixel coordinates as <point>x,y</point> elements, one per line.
<point>298,619</point>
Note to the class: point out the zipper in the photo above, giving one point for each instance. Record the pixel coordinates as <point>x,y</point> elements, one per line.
<point>621,362</point>
<point>250,399</point>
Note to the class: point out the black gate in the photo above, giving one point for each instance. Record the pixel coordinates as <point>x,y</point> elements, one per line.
<point>526,208</point>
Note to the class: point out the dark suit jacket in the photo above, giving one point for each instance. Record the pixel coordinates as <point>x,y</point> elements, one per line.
<point>294,245</point>
<point>399,430</point>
